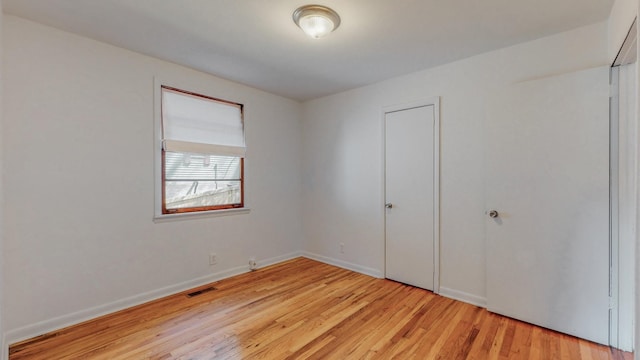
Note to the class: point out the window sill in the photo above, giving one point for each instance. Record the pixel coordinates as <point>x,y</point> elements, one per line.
<point>199,215</point>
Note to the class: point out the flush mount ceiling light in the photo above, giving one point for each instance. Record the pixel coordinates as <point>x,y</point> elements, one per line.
<point>316,20</point>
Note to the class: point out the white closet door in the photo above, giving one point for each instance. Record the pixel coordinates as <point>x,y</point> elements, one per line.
<point>547,159</point>
<point>410,187</point>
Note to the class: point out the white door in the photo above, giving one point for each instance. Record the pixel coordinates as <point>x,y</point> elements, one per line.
<point>547,161</point>
<point>411,195</point>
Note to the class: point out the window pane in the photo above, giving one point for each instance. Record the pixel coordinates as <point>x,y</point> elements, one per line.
<point>195,180</point>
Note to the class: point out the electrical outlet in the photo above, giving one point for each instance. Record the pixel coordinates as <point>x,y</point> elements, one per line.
<point>341,248</point>
<point>213,259</point>
<point>252,263</point>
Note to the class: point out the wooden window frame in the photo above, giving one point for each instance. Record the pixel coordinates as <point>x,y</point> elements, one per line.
<point>164,209</point>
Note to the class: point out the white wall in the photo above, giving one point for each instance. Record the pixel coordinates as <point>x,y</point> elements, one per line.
<point>78,145</point>
<point>342,155</point>
<point>620,20</point>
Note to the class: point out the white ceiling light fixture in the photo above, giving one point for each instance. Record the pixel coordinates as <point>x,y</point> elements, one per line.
<point>316,20</point>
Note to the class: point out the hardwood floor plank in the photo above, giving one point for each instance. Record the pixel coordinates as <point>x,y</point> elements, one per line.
<point>303,309</point>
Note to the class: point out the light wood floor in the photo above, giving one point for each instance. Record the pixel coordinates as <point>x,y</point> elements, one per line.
<point>302,309</point>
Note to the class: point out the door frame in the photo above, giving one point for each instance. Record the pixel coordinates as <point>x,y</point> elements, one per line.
<point>621,288</point>
<point>430,101</point>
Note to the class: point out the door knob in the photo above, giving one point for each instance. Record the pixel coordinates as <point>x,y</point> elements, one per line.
<point>388,205</point>
<point>493,214</point>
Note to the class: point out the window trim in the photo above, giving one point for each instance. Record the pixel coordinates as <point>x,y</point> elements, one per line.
<point>160,212</point>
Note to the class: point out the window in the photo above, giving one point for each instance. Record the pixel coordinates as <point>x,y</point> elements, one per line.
<point>202,152</point>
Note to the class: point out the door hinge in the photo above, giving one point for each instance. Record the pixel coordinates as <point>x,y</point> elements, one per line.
<point>612,303</point>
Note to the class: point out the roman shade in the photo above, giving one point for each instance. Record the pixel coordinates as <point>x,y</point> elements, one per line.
<point>201,125</point>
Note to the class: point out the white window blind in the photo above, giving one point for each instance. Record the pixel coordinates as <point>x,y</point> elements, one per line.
<point>195,124</point>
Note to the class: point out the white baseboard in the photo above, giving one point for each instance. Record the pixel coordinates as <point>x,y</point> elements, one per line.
<point>278,259</point>
<point>443,291</point>
<point>344,264</point>
<point>463,296</point>
<point>43,327</point>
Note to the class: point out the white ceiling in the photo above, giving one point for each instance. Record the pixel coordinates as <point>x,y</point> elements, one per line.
<point>255,42</point>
